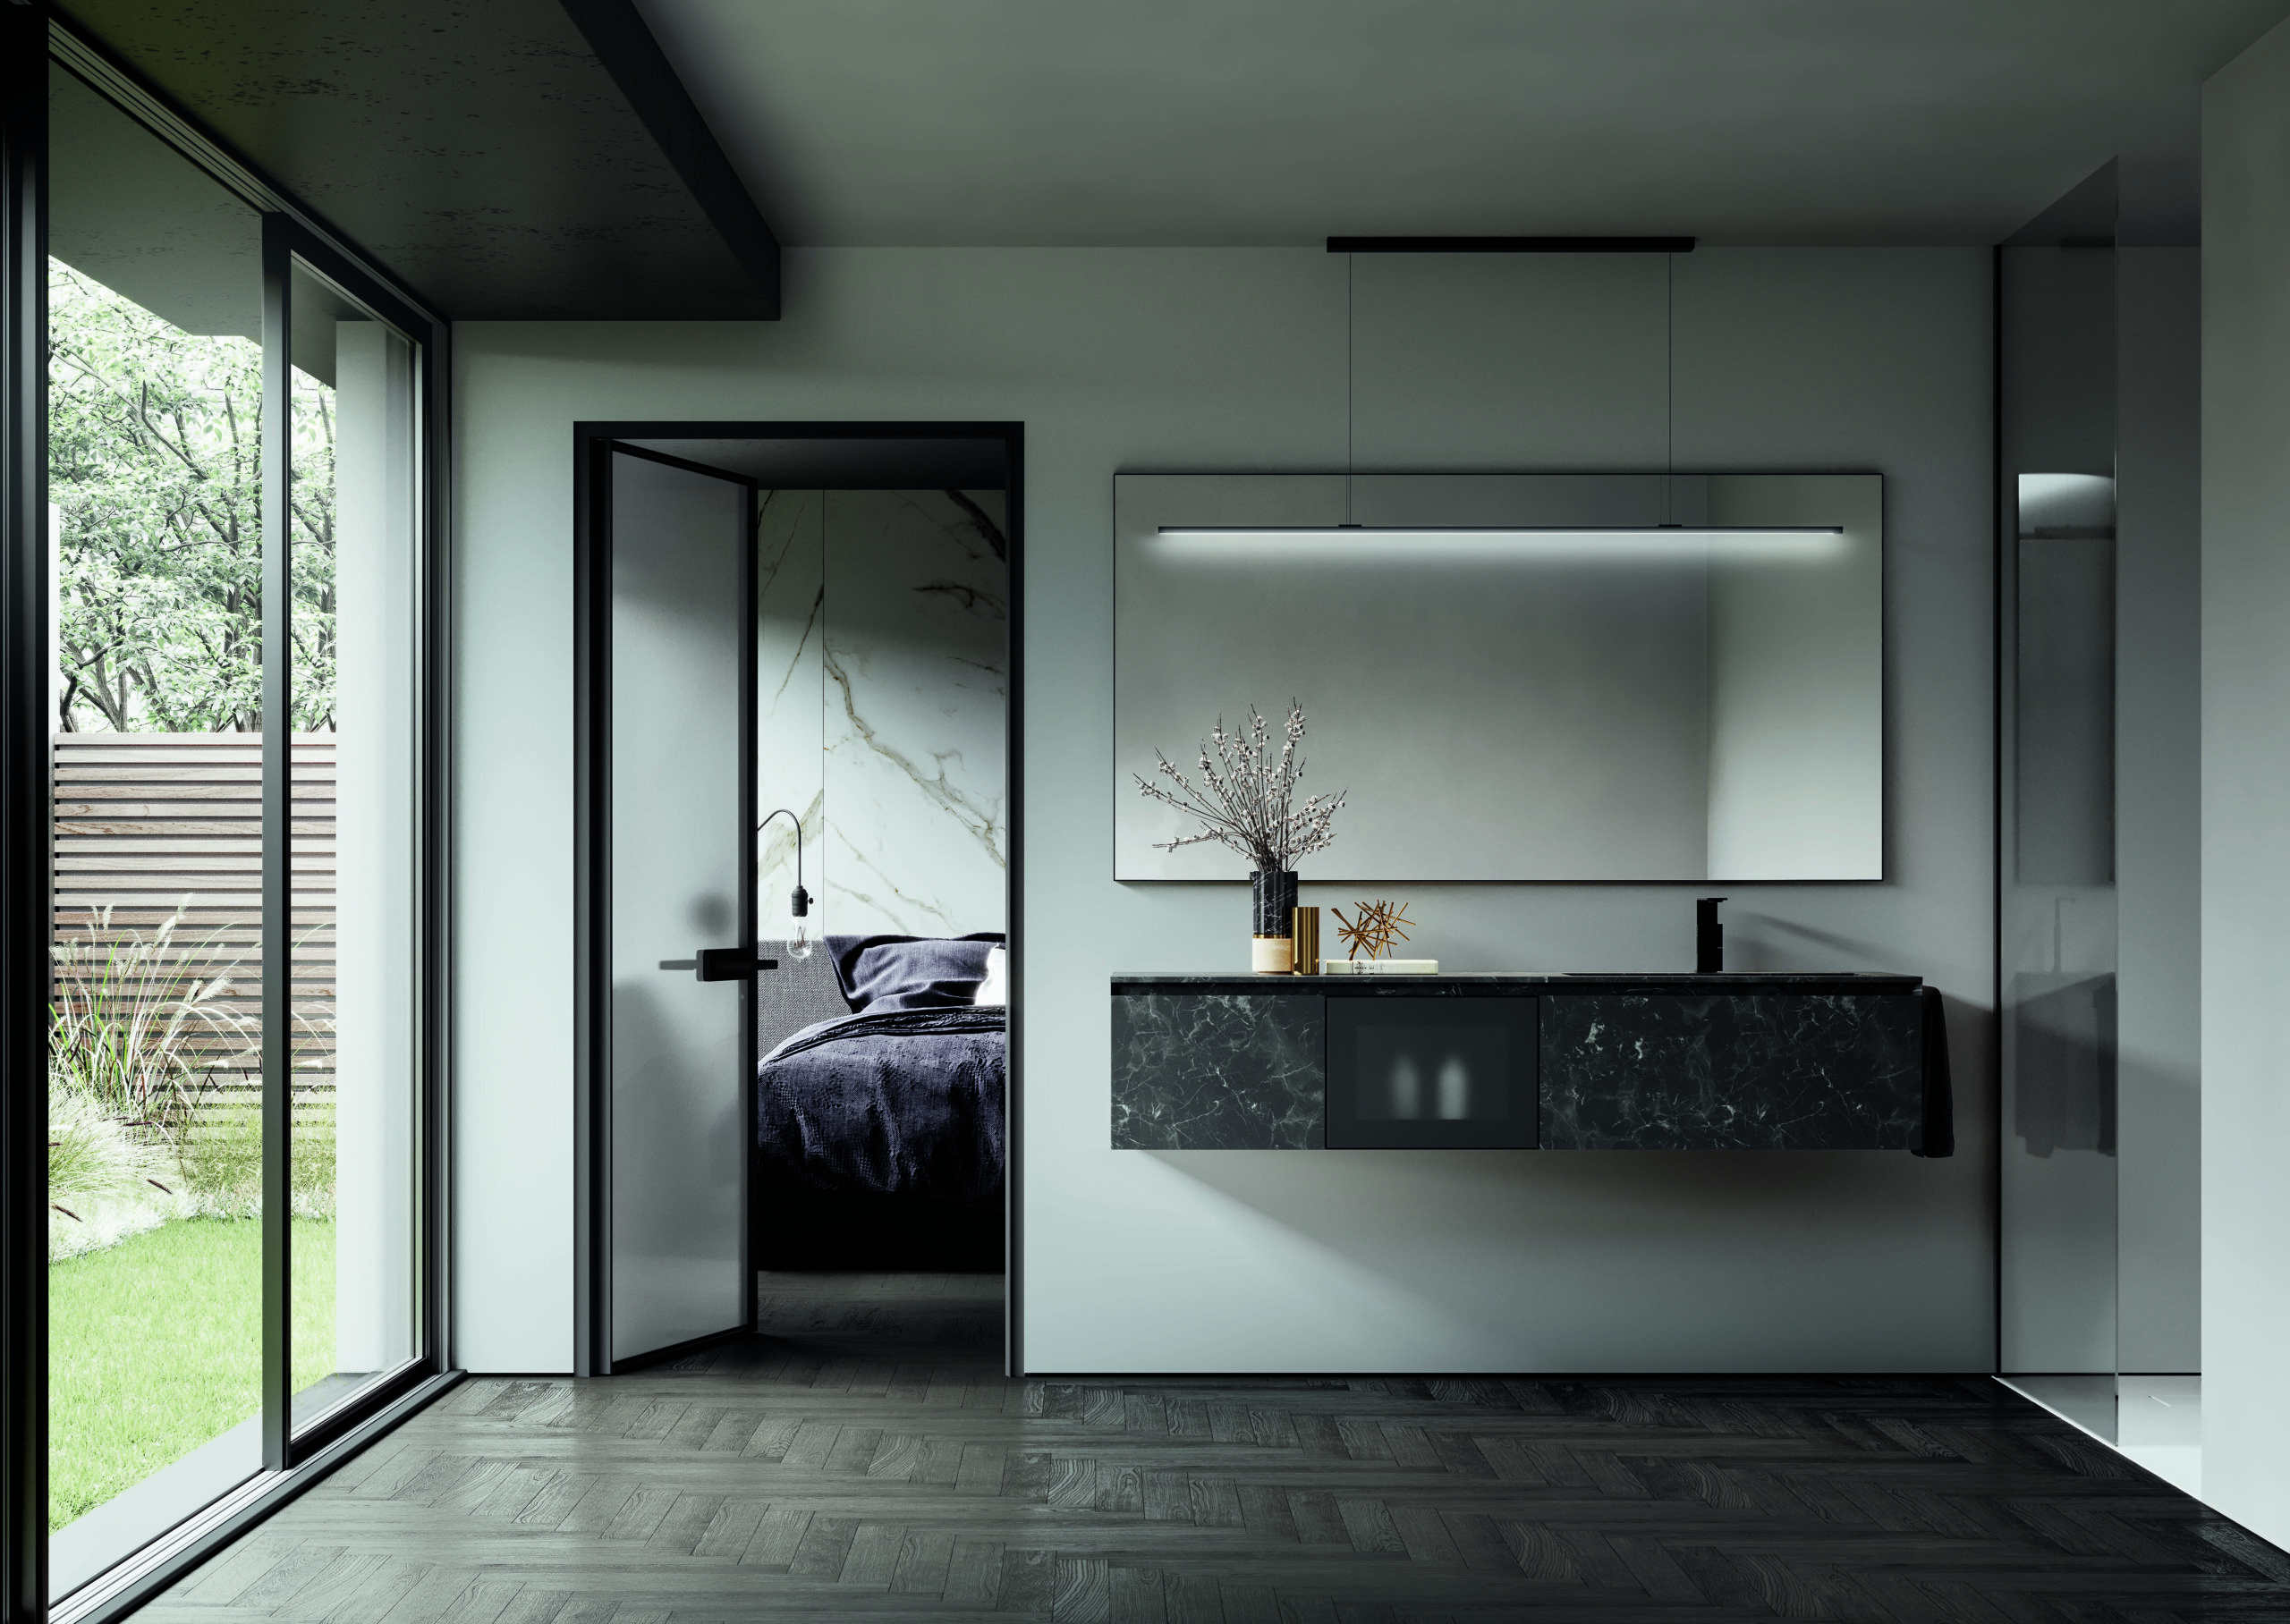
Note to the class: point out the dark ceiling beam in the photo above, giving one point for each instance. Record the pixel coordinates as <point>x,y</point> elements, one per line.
<point>617,34</point>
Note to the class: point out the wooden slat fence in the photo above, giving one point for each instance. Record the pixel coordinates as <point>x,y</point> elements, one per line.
<point>155,825</point>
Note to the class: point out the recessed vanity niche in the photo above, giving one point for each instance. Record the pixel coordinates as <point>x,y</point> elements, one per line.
<point>1521,677</point>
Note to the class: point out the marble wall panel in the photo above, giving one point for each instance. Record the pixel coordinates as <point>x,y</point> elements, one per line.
<point>882,679</point>
<point>1781,1072</point>
<point>1218,1071</point>
<point>790,701</point>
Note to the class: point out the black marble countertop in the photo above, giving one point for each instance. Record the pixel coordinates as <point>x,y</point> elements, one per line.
<point>1469,983</point>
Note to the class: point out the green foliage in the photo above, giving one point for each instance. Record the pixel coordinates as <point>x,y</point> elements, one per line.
<point>154,469</point>
<point>135,1027</point>
<point>221,1159</point>
<point>155,1348</point>
<point>93,1156</point>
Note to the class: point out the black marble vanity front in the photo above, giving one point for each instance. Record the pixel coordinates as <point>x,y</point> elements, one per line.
<point>1219,1071</point>
<point>1737,1062</point>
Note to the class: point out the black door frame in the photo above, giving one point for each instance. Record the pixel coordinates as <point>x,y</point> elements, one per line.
<point>592,446</point>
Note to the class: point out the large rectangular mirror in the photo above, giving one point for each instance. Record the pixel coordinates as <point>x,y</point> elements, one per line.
<point>1625,677</point>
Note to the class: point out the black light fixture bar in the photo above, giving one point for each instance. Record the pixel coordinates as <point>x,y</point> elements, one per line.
<point>1510,245</point>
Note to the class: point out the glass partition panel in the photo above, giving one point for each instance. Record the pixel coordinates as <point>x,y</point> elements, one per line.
<point>154,1190</point>
<point>2057,846</point>
<point>353,682</point>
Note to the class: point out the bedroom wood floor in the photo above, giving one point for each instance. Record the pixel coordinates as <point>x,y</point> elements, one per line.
<point>866,1460</point>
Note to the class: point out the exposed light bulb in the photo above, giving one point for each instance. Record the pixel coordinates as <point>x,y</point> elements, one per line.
<point>799,946</point>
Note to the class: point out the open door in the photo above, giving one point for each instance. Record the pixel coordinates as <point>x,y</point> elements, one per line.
<point>671,910</point>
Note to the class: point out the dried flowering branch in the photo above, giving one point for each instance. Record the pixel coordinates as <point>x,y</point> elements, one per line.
<point>1246,797</point>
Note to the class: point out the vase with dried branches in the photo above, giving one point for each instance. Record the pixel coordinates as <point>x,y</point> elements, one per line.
<point>1246,799</point>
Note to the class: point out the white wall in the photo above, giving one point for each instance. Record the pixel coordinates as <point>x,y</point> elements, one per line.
<point>2246,785</point>
<point>1235,360</point>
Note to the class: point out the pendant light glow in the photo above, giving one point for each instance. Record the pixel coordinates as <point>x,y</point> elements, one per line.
<point>1650,543</point>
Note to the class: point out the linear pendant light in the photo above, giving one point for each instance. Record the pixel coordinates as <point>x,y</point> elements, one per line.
<point>1664,540</point>
<point>1577,542</point>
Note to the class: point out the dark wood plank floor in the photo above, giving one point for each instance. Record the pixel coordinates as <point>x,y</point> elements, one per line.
<point>866,1461</point>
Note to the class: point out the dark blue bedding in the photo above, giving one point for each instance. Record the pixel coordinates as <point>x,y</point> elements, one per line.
<point>904,1102</point>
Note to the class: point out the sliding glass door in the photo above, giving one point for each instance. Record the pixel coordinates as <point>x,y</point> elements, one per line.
<point>346,736</point>
<point>154,497</point>
<point>240,804</point>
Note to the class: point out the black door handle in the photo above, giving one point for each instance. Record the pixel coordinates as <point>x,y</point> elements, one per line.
<point>730,963</point>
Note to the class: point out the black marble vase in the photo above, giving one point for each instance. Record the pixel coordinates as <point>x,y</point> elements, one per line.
<point>1275,900</point>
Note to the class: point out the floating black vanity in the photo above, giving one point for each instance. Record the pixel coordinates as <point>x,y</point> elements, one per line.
<point>1739,1061</point>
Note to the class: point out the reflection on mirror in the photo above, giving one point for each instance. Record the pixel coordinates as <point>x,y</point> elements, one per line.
<point>1519,677</point>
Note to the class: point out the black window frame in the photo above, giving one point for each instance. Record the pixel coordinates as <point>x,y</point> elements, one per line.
<point>31,39</point>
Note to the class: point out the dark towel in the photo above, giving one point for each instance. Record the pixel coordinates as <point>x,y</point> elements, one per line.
<point>1939,1094</point>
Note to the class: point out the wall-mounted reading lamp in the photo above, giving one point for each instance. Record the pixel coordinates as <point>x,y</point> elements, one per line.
<point>799,905</point>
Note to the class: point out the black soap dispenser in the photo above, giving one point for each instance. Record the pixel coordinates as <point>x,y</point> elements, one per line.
<point>1709,937</point>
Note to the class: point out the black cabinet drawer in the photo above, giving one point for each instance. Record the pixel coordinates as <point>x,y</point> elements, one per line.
<point>1733,1071</point>
<point>1216,1071</point>
<point>1431,1072</point>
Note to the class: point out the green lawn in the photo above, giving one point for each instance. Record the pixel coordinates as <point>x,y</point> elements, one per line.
<point>155,1348</point>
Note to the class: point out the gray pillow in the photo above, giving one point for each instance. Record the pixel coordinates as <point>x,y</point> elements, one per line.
<point>885,973</point>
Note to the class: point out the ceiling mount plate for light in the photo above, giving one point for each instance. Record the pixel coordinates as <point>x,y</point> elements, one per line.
<point>1510,245</point>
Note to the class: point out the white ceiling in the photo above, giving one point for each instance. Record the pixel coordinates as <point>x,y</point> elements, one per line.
<point>1207,121</point>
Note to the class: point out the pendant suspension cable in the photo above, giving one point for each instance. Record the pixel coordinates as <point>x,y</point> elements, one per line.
<point>1670,387</point>
<point>1350,346</point>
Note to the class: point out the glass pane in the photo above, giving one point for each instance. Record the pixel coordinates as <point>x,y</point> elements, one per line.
<point>2057,897</point>
<point>679,847</point>
<point>353,684</point>
<point>154,1167</point>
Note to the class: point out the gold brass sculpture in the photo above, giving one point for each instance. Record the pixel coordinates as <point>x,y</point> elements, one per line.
<point>1377,929</point>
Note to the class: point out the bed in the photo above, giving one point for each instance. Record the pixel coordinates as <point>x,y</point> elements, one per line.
<point>878,1117</point>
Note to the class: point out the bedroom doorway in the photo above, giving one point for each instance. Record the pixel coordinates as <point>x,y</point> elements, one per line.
<point>797,831</point>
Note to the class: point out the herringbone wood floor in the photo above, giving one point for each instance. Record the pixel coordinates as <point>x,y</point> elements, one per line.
<point>867,1460</point>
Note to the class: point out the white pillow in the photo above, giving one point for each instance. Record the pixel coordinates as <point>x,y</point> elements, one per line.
<point>996,987</point>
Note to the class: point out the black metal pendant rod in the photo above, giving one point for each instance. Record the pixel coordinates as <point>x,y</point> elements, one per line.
<point>1510,245</point>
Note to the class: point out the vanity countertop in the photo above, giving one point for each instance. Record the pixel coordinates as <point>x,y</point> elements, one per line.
<point>1468,983</point>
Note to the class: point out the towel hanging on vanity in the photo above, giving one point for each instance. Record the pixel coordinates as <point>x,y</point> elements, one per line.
<point>1939,1096</point>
